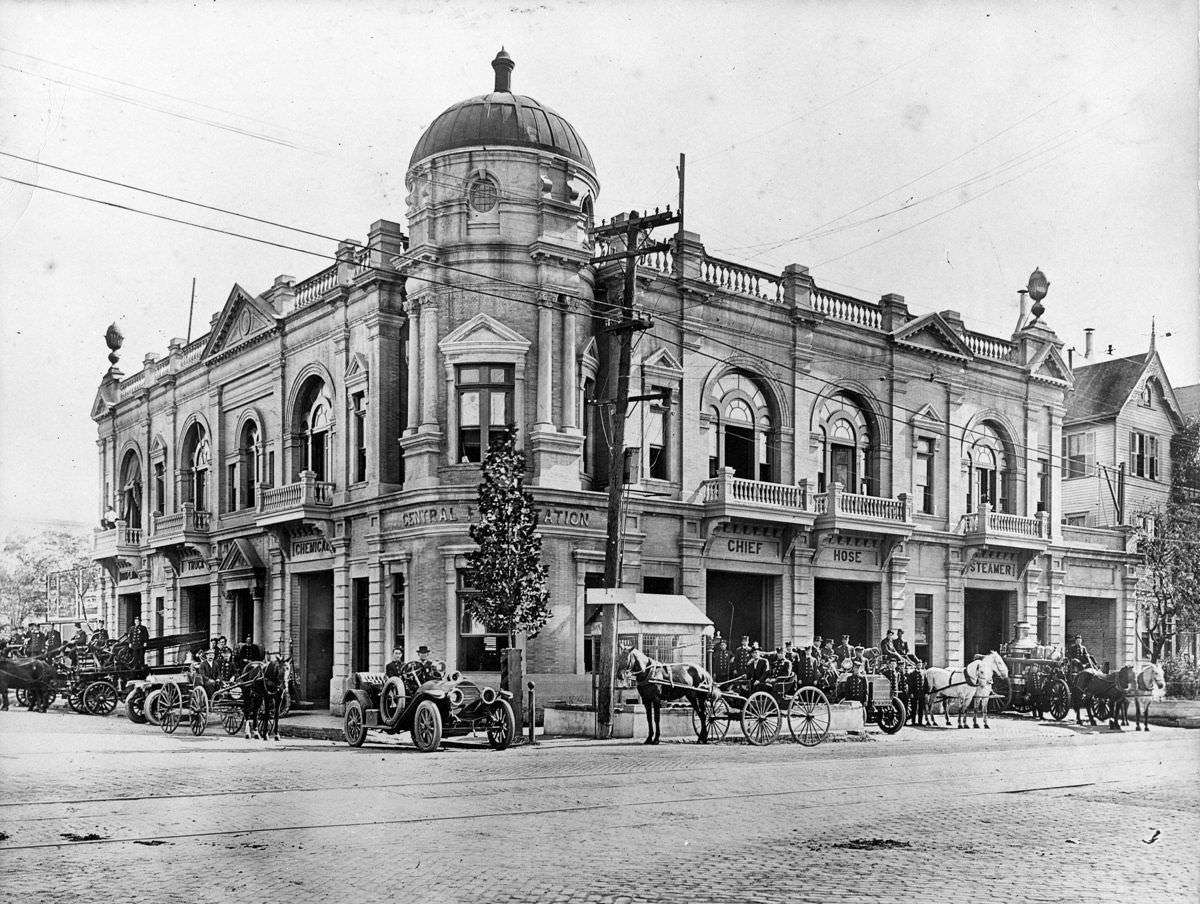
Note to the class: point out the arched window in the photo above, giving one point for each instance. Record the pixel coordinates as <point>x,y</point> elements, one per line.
<point>249,464</point>
<point>742,434</point>
<point>990,478</point>
<point>131,490</point>
<point>846,446</point>
<point>316,439</point>
<point>196,459</point>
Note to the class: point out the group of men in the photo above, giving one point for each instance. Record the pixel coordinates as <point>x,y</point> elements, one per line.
<point>44,642</point>
<point>743,662</point>
<point>414,673</point>
<point>219,663</point>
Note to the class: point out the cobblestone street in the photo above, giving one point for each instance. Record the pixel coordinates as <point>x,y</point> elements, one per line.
<point>1025,812</point>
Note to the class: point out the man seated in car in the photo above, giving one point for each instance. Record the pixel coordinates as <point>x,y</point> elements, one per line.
<point>425,669</point>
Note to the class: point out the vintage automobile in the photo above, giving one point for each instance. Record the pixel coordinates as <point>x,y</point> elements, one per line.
<point>443,707</point>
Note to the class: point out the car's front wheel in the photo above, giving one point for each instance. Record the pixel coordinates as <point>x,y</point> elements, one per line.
<point>353,725</point>
<point>502,725</point>
<point>427,726</point>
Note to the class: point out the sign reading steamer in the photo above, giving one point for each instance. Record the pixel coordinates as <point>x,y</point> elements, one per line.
<point>995,569</point>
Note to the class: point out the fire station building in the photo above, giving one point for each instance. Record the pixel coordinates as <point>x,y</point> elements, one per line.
<point>306,471</point>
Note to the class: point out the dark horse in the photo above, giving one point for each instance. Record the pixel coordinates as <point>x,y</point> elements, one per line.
<point>1094,685</point>
<point>263,685</point>
<point>659,681</point>
<point>35,676</point>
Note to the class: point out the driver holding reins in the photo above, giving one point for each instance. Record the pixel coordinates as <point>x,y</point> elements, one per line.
<point>1078,653</point>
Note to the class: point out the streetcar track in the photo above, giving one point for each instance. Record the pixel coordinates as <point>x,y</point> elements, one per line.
<point>775,793</point>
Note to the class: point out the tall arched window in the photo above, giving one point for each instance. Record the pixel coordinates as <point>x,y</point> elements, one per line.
<point>316,439</point>
<point>131,490</point>
<point>196,459</point>
<point>249,463</point>
<point>990,478</point>
<point>847,446</point>
<point>742,433</point>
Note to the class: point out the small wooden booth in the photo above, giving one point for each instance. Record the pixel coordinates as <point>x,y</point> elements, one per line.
<point>665,626</point>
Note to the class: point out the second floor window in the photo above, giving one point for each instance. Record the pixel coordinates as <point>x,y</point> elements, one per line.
<point>160,487</point>
<point>360,437</point>
<point>657,432</point>
<point>1143,456</point>
<point>485,407</point>
<point>923,476</point>
<point>1079,455</point>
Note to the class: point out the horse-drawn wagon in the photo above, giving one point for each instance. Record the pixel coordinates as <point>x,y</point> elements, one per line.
<point>441,707</point>
<point>1034,685</point>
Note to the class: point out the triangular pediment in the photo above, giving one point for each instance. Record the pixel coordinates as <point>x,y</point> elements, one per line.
<point>591,351</point>
<point>102,403</point>
<point>240,556</point>
<point>932,335</point>
<point>356,370</point>
<point>484,332</point>
<point>244,317</point>
<point>662,359</point>
<point>1049,365</point>
<point>928,415</point>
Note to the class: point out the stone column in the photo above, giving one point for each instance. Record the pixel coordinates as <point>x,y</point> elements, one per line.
<point>569,369</point>
<point>378,596</point>
<point>341,623</point>
<point>414,358</point>
<point>545,365</point>
<point>429,378</point>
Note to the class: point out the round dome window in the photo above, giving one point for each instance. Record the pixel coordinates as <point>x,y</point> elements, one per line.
<point>483,196</point>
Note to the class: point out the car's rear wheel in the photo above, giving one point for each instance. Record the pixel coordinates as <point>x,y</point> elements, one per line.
<point>135,703</point>
<point>502,725</point>
<point>427,726</point>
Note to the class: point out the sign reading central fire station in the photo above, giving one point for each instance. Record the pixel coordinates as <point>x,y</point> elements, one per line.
<point>445,514</point>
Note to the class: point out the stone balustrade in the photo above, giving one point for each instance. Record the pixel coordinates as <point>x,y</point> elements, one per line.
<point>847,309</point>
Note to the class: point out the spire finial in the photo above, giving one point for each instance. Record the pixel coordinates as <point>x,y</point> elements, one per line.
<point>503,65</point>
<point>1152,331</point>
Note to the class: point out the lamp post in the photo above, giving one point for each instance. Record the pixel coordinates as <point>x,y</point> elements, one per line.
<point>1037,288</point>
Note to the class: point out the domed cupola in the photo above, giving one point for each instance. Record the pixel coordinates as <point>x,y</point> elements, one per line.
<point>502,119</point>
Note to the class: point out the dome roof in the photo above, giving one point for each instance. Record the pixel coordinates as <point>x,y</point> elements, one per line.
<point>502,119</point>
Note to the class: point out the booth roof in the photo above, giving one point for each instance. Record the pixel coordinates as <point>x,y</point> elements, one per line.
<point>662,609</point>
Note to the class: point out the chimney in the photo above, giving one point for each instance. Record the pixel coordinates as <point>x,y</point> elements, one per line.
<point>503,65</point>
<point>1087,343</point>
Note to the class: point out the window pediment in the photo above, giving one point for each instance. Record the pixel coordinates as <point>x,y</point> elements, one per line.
<point>483,336</point>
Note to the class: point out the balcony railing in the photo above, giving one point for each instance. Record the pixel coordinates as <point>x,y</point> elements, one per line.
<point>986,523</point>
<point>860,505</point>
<point>308,492</point>
<point>188,521</point>
<point>728,488</point>
<point>109,542</point>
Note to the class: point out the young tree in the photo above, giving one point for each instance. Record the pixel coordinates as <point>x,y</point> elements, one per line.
<point>1169,596</point>
<point>507,568</point>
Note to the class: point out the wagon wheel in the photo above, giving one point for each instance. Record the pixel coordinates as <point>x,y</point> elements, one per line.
<point>1001,698</point>
<point>760,719</point>
<point>809,716</point>
<point>51,696</point>
<point>891,718</point>
<point>389,700</point>
<point>75,695</point>
<point>233,720</point>
<point>1100,708</point>
<point>1057,698</point>
<point>198,711</point>
<point>353,726</point>
<point>22,697</point>
<point>100,698</point>
<point>168,706</point>
<point>135,706</point>
<point>716,711</point>
<point>153,707</point>
<point>502,725</point>
<point>427,726</point>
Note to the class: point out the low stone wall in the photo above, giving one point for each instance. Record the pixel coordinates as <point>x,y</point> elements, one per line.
<point>1183,713</point>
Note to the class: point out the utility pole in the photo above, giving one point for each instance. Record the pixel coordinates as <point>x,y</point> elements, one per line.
<point>622,330</point>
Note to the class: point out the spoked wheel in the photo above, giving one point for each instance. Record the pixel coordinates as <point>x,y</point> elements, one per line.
<point>22,697</point>
<point>1001,698</point>
<point>233,720</point>
<point>100,698</point>
<point>716,711</point>
<point>427,726</point>
<point>809,716</point>
<point>51,696</point>
<point>389,700</point>
<point>153,707</point>
<point>760,719</point>
<point>198,711</point>
<point>135,703</point>
<point>167,706</point>
<point>75,696</point>
<point>1100,709</point>
<point>353,726</point>
<point>502,726</point>
<point>1058,699</point>
<point>891,718</point>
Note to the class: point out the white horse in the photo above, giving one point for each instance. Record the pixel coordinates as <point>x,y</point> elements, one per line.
<point>970,686</point>
<point>1148,683</point>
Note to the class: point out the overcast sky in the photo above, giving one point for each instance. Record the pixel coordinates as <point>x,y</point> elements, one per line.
<point>937,150</point>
